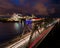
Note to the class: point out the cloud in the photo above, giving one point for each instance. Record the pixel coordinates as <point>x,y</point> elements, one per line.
<point>41,9</point>
<point>6,4</point>
<point>21,1</point>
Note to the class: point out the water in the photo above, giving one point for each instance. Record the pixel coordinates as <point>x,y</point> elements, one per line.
<point>9,31</point>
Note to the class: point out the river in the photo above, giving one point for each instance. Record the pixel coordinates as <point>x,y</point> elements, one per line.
<point>9,31</point>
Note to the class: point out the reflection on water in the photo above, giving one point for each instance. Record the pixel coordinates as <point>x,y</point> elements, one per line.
<point>9,31</point>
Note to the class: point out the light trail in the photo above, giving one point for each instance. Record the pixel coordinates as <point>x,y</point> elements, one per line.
<point>24,40</point>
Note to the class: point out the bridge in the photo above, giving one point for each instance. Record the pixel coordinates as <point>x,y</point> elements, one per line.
<point>35,35</point>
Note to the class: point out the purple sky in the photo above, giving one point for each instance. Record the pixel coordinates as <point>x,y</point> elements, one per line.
<point>29,6</point>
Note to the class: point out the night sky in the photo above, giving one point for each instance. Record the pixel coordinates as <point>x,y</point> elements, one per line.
<point>39,7</point>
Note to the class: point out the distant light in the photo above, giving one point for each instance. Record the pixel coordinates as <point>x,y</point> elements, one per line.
<point>16,26</point>
<point>28,21</point>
